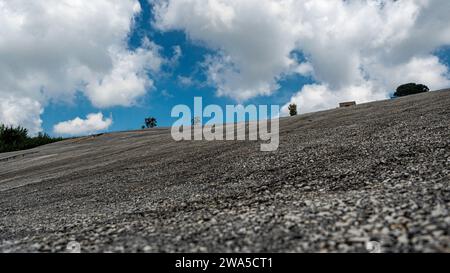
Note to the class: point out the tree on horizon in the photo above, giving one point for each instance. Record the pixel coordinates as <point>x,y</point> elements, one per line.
<point>410,89</point>
<point>151,122</point>
<point>292,109</point>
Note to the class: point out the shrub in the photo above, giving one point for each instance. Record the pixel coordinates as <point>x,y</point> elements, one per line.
<point>151,122</point>
<point>292,109</point>
<point>410,89</point>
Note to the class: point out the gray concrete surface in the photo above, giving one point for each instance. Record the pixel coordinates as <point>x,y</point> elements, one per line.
<point>341,178</point>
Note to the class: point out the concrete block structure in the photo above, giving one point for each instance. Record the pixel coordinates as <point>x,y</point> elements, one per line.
<point>347,104</point>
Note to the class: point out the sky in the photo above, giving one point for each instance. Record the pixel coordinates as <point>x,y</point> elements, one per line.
<point>72,68</point>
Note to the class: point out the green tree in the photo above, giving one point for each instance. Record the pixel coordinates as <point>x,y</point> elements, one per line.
<point>16,138</point>
<point>12,138</point>
<point>292,109</point>
<point>410,89</point>
<point>151,122</point>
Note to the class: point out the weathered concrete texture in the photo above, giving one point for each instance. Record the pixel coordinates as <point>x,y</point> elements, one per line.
<point>373,172</point>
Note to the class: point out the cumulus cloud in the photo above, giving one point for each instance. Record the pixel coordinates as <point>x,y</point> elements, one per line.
<point>318,97</point>
<point>50,50</point>
<point>127,81</point>
<point>21,111</point>
<point>92,124</point>
<point>251,36</point>
<point>359,50</point>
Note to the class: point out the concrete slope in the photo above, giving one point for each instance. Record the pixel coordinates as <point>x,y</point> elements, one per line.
<point>340,178</point>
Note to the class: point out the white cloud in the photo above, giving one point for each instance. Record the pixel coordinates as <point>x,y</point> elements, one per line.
<point>359,50</point>
<point>177,54</point>
<point>252,36</point>
<point>304,69</point>
<point>49,50</point>
<point>318,97</point>
<point>127,80</point>
<point>185,81</point>
<point>425,69</point>
<point>383,78</point>
<point>92,124</point>
<point>21,111</point>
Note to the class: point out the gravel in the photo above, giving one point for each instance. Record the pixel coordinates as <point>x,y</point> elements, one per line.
<point>343,180</point>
